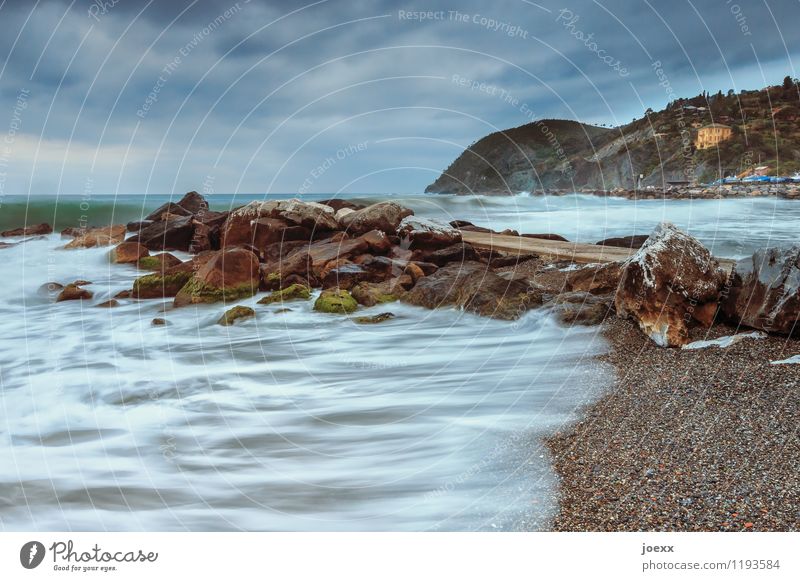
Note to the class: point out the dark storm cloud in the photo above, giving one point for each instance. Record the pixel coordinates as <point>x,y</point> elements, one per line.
<point>138,96</point>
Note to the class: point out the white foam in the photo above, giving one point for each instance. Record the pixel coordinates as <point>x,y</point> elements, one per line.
<point>726,341</point>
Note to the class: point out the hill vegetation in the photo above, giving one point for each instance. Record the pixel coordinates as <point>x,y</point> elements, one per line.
<point>660,146</point>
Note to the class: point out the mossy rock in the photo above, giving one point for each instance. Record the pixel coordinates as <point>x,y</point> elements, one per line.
<point>335,301</point>
<point>293,292</point>
<point>374,319</point>
<point>195,291</point>
<point>234,314</point>
<point>154,286</point>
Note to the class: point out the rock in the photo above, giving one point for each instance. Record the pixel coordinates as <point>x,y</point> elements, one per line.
<point>374,319</point>
<point>341,213</point>
<point>338,204</point>
<point>473,287</point>
<point>377,242</point>
<point>124,294</point>
<point>346,274</point>
<point>175,234</point>
<point>335,301</point>
<point>159,285</point>
<point>633,242</point>
<point>132,226</point>
<point>207,231</point>
<point>461,252</point>
<point>424,233</point>
<point>545,237</point>
<point>293,292</point>
<point>235,314</point>
<point>189,205</point>
<point>763,291</point>
<point>159,322</point>
<point>669,277</point>
<point>158,262</point>
<point>238,228</point>
<point>307,214</point>
<point>127,253</point>
<point>104,236</point>
<point>229,275</point>
<point>73,292</point>
<point>383,216</point>
<point>597,279</point>
<point>371,294</point>
<point>583,308</point>
<point>37,230</point>
<point>108,304</point>
<point>72,232</point>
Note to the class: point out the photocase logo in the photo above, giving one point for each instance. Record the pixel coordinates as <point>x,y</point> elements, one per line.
<point>31,554</point>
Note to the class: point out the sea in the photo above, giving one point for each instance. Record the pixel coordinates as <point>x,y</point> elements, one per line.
<point>297,420</point>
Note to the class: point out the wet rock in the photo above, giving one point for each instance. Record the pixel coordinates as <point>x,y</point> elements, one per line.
<point>159,285</point>
<point>374,319</point>
<point>234,314</point>
<point>159,322</point>
<point>595,278</point>
<point>190,204</point>
<point>128,253</point>
<point>72,232</point>
<point>377,242</point>
<point>461,252</point>
<point>174,234</point>
<point>108,304</point>
<point>556,237</point>
<point>158,262</point>
<point>335,301</point>
<point>764,291</point>
<point>239,229</point>
<point>338,204</point>
<point>124,294</point>
<point>383,216</point>
<point>207,233</point>
<point>37,230</point>
<point>347,274</point>
<point>634,242</point>
<point>669,277</point>
<point>425,233</point>
<point>293,292</point>
<point>582,308</point>
<point>104,236</point>
<point>73,292</point>
<point>371,294</point>
<point>307,214</point>
<point>474,288</point>
<point>137,226</point>
<point>229,275</point>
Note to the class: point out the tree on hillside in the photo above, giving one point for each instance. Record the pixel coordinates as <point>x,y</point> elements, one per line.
<point>787,83</point>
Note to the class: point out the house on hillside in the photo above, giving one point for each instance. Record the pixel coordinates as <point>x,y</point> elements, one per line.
<point>711,135</point>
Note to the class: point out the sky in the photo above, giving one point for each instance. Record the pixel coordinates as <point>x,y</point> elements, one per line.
<point>220,96</point>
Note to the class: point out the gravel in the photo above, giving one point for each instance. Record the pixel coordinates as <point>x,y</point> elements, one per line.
<point>686,440</point>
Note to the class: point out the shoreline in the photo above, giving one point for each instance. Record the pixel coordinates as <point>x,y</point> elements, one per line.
<point>684,440</point>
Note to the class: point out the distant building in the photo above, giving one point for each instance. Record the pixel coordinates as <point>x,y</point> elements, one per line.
<point>711,135</point>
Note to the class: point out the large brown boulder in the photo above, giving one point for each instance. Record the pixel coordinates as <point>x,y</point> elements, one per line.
<point>172,234</point>
<point>420,232</point>
<point>229,275</point>
<point>74,292</point>
<point>36,230</point>
<point>764,291</point>
<point>474,288</point>
<point>460,252</point>
<point>128,253</point>
<point>103,236</point>
<point>383,216</point>
<point>239,227</point>
<point>666,283</point>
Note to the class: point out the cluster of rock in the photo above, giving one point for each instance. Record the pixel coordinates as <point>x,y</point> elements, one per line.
<point>367,256</point>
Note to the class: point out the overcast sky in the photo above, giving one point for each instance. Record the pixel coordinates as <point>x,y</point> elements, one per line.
<point>166,96</point>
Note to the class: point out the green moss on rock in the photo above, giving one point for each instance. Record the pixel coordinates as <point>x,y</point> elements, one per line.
<point>335,301</point>
<point>149,263</point>
<point>195,291</point>
<point>234,314</point>
<point>153,286</point>
<point>290,293</point>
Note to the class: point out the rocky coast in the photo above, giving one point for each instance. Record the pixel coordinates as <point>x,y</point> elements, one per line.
<point>688,438</point>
